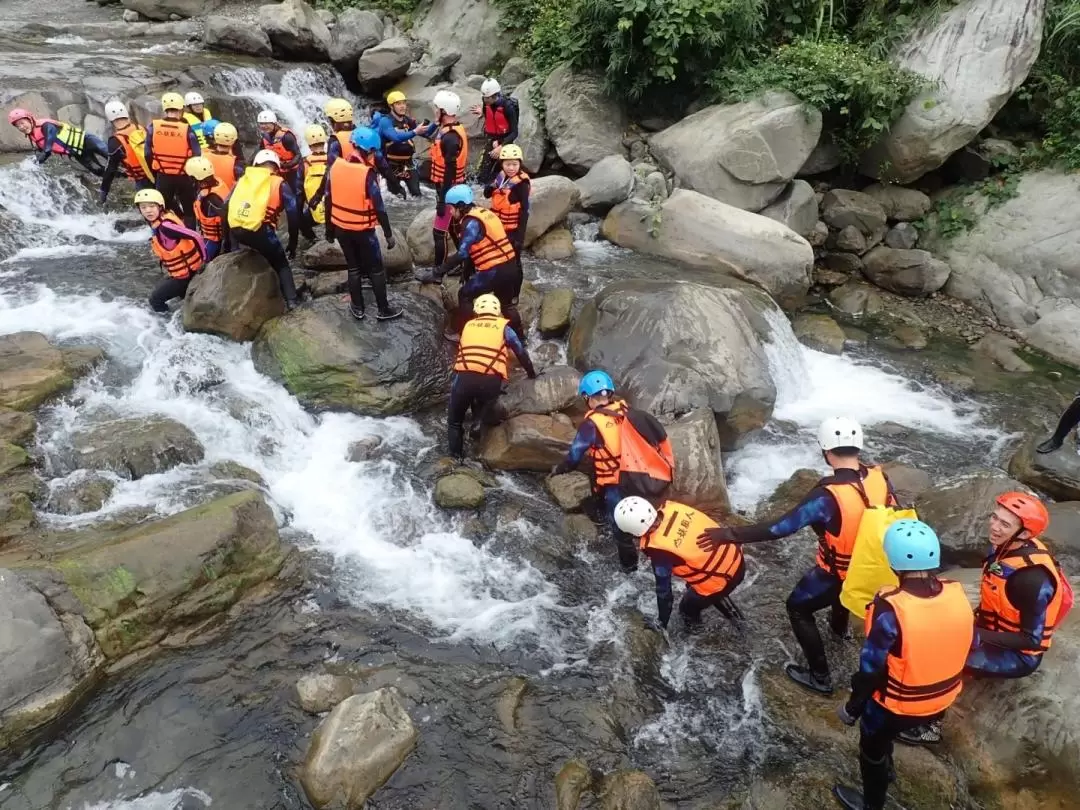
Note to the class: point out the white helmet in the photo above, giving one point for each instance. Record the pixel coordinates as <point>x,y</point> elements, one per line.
<point>266,156</point>
<point>839,431</point>
<point>490,87</point>
<point>634,515</point>
<point>267,117</point>
<point>116,109</point>
<point>447,101</point>
<point>192,99</point>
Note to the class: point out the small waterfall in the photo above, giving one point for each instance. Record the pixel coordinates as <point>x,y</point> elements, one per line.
<point>786,358</point>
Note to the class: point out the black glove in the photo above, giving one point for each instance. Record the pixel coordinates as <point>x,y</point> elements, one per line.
<point>845,716</point>
<point>562,468</point>
<point>710,539</point>
<point>391,243</point>
<point>440,208</point>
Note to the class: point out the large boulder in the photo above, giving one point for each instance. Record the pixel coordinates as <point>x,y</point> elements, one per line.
<point>796,207</point>
<point>551,199</point>
<point>233,297</point>
<point>1057,474</point>
<point>1057,334</point>
<point>419,239</point>
<point>473,29</point>
<point>698,230</point>
<point>629,790</point>
<point>819,332</point>
<point>742,154</point>
<point>236,36</point>
<point>532,134</point>
<point>528,442</point>
<point>328,257</point>
<point>607,184</point>
<point>379,67</point>
<point>699,469</point>
<point>1063,534</point>
<point>973,58</point>
<point>842,208</point>
<point>328,360</point>
<point>321,692</point>
<point>134,447</point>
<point>554,391</point>
<point>583,122</point>
<point>356,749</point>
<point>555,312</point>
<point>900,204</point>
<point>31,370</point>
<point>958,511</point>
<point>164,10</point>
<point>295,30</point>
<point>355,31</point>
<point>675,347</point>
<point>905,272</point>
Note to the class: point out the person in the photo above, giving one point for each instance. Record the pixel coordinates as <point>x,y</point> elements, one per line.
<point>354,205</point>
<point>449,157</point>
<point>484,243</point>
<point>50,137</point>
<point>314,176</point>
<point>667,536</point>
<point>340,113</point>
<point>254,208</point>
<point>126,151</point>
<point>281,141</point>
<point>209,204</point>
<point>1070,418</point>
<point>917,637</point>
<point>500,126</point>
<point>833,509</point>
<point>509,194</point>
<point>397,129</point>
<point>480,370</point>
<point>170,141</point>
<point>197,114</point>
<point>181,251</point>
<point>1021,599</point>
<point>225,154</point>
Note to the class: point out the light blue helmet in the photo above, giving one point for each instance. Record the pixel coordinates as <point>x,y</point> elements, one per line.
<point>596,382</point>
<point>911,545</point>
<point>459,195</point>
<point>365,138</point>
<point>209,126</point>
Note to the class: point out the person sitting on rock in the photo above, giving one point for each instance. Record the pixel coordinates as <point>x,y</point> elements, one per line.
<point>170,141</point>
<point>226,155</point>
<point>397,129</point>
<point>1066,425</point>
<point>500,126</point>
<point>180,250</point>
<point>126,151</point>
<point>1022,599</point>
<point>282,142</point>
<point>210,206</point>
<point>481,367</point>
<point>910,670</point>
<point>667,534</point>
<point>50,137</point>
<point>509,194</point>
<point>449,157</point>
<point>833,509</point>
<point>342,122</point>
<point>198,115</point>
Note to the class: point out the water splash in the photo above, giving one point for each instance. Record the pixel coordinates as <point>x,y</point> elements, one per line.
<point>182,799</point>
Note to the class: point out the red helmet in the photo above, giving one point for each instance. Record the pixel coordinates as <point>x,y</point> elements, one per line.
<point>18,114</point>
<point>1033,515</point>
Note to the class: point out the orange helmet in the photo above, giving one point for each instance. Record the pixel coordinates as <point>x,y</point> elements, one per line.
<point>1031,511</point>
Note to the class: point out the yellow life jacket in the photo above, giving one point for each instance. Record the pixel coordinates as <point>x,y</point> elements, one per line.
<point>194,121</point>
<point>314,172</point>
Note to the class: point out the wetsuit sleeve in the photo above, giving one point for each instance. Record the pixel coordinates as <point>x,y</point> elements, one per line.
<point>333,152</point>
<point>148,147</point>
<point>375,195</point>
<point>891,499</point>
<point>662,565</point>
<point>292,214</point>
<point>471,234</point>
<point>516,346</point>
<point>50,133</point>
<point>873,660</point>
<point>451,150</point>
<point>241,162</point>
<point>818,509</point>
<point>1030,591</point>
<point>116,157</point>
<point>193,142</point>
<point>388,132</point>
<point>510,109</point>
<point>585,438</point>
<point>520,194</point>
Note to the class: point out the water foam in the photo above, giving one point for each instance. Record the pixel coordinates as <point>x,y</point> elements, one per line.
<point>173,800</point>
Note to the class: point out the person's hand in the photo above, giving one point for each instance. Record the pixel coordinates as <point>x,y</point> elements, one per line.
<point>440,208</point>
<point>391,243</point>
<point>476,109</point>
<point>711,539</point>
<point>494,153</point>
<point>845,718</point>
<point>420,128</point>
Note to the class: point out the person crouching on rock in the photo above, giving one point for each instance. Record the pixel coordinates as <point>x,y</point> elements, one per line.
<point>509,194</point>
<point>667,534</point>
<point>57,137</point>
<point>211,194</point>
<point>354,206</point>
<point>181,251</point>
<point>480,369</point>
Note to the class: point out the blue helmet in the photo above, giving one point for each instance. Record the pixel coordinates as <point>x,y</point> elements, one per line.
<point>209,126</point>
<point>596,382</point>
<point>366,138</point>
<point>911,545</point>
<point>459,195</point>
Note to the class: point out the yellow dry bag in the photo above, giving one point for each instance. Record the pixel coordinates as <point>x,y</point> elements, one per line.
<point>251,198</point>
<point>869,571</point>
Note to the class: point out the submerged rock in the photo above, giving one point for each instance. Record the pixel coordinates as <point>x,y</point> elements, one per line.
<point>233,297</point>
<point>1057,473</point>
<point>82,492</point>
<point>321,692</point>
<point>458,491</point>
<point>135,447</point>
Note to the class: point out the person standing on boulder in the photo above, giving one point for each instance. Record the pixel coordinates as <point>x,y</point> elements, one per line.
<point>509,195</point>
<point>917,637</point>
<point>1066,425</point>
<point>833,509</point>
<point>180,250</point>
<point>126,151</point>
<point>449,157</point>
<point>500,126</point>
<point>170,141</point>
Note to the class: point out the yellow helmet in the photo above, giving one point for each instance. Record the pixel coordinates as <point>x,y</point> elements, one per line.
<point>172,101</point>
<point>487,304</point>
<point>511,152</point>
<point>149,195</point>
<point>339,111</point>
<point>225,134</point>
<point>315,134</point>
<point>394,96</point>
<point>199,167</point>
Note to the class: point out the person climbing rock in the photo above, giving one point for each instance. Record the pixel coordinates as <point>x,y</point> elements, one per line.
<point>210,200</point>
<point>226,155</point>
<point>126,147</point>
<point>170,141</point>
<point>833,509</point>
<point>50,137</point>
<point>917,637</point>
<point>180,250</point>
<point>254,208</point>
<point>354,206</point>
<point>197,115</point>
<point>500,126</point>
<point>282,142</point>
<point>342,124</point>
<point>667,535</point>
<point>1066,425</point>
<point>509,194</point>
<point>397,129</point>
<point>480,369</point>
<point>449,157</point>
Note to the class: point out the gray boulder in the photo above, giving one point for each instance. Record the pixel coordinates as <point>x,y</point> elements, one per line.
<point>164,10</point>
<point>958,510</point>
<point>83,491</point>
<point>905,272</point>
<point>532,134</point>
<point>356,30</point>
<point>841,208</point>
<point>856,299</point>
<point>516,70</point>
<point>231,34</point>
<point>796,207</point>
<point>234,296</point>
<point>900,204</point>
<point>819,332</point>
<point>606,184</point>
<point>1057,334</point>
<point>1057,474</point>
<point>851,240</point>
<point>474,29</point>
<point>584,124</point>
<point>550,200</point>
<point>322,692</point>
<point>699,468</point>
<point>742,154</point>
<point>553,391</point>
<point>295,31</point>
<point>902,236</point>
<point>379,67</point>
<point>419,239</point>
<point>133,448</point>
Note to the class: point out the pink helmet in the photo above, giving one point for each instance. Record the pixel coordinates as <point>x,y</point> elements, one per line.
<point>18,114</point>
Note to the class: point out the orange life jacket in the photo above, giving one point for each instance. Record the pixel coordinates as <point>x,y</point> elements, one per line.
<point>184,259</point>
<point>210,227</point>
<point>224,168</point>
<point>274,144</point>
<point>352,209</point>
<point>495,122</point>
<point>132,161</point>
<point>493,248</point>
<point>508,213</point>
<point>834,551</point>
<point>482,347</point>
<point>606,459</point>
<point>935,636</point>
<point>706,572</point>
<point>170,146</point>
<point>344,139</point>
<point>996,612</point>
<point>438,162</point>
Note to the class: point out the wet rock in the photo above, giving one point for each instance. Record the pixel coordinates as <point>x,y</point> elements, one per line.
<point>583,122</point>
<point>532,134</point>
<point>550,200</point>
<point>851,240</point>
<point>958,511</point>
<point>506,707</point>
<point>580,529</point>
<point>16,515</point>
<point>458,491</point>
<point>553,391</point>
<point>629,790</point>
<point>528,442</point>
<point>381,66</point>
<point>1056,335</point>
<point>364,449</point>
<point>606,184</point>
<point>355,31</point>
<point>796,207</point>
<point>328,360</point>
<point>324,257</point>
<point>900,204</point>
<point>1002,350</point>
<point>571,782</point>
<point>1063,533</point>
<point>788,494</point>
<point>16,427</point>
<point>48,659</point>
<point>236,36</point>
<point>356,749</point>
<point>164,10</point>
<point>475,29</point>
<point>322,692</point>
<point>1057,474</point>
<point>420,241</point>
<point>81,492</point>
<point>857,299</point>
<point>134,448</point>
<point>908,336</point>
<point>909,483</point>
<point>699,467</point>
<point>820,233</point>
<point>555,311</point>
<point>233,297</point>
<point>703,232</point>
<point>328,283</point>
<point>232,471</point>
<point>903,236</point>
<point>569,491</point>
<point>742,154</point>
<point>12,457</point>
<point>841,208</point>
<point>81,359</point>
<point>819,332</point>
<point>905,272</point>
<point>31,371</point>
<point>556,244</point>
<point>295,31</point>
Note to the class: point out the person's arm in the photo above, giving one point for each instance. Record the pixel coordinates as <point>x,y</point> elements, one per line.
<point>50,132</point>
<point>116,157</point>
<point>384,168</point>
<point>518,348</point>
<point>193,142</point>
<point>818,509</point>
<point>375,195</point>
<point>292,216</point>
<point>148,148</point>
<point>662,565</point>
<point>333,152</point>
<point>489,189</point>
<point>510,109</point>
<point>586,437</point>
<point>1030,591</point>
<point>388,132</point>
<point>241,162</point>
<point>873,660</point>
<point>520,194</point>
<point>471,234</point>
